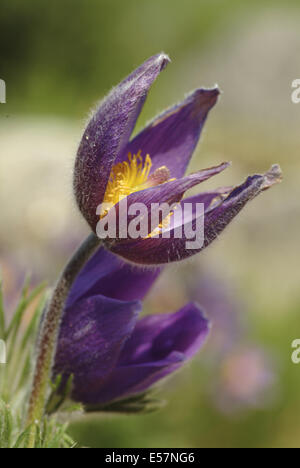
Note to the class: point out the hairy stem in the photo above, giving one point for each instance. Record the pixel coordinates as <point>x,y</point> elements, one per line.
<point>49,333</point>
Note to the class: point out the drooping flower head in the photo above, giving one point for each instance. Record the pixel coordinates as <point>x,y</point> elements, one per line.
<point>111,354</point>
<point>150,169</point>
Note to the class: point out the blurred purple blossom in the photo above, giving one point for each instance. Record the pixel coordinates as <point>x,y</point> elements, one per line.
<point>219,299</point>
<point>247,380</point>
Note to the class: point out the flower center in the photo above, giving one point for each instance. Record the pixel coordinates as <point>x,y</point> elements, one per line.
<point>132,176</point>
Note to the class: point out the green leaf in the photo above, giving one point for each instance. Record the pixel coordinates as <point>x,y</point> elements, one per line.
<point>2,314</point>
<point>140,403</point>
<point>24,302</point>
<point>20,337</point>
<point>59,395</point>
<point>6,425</point>
<point>22,439</point>
<point>31,328</point>
<point>26,345</point>
<point>14,326</point>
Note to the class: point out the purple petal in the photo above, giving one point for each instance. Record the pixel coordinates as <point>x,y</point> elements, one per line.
<point>159,346</point>
<point>209,199</point>
<point>91,339</point>
<point>169,193</point>
<point>107,134</point>
<point>107,275</point>
<point>126,381</point>
<point>155,251</point>
<point>171,138</point>
<point>156,337</point>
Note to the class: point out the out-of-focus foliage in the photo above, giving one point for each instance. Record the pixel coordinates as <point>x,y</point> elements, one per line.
<point>19,336</point>
<point>58,56</point>
<point>50,434</point>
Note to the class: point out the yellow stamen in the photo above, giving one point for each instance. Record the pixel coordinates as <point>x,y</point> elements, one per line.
<point>163,225</point>
<point>132,176</point>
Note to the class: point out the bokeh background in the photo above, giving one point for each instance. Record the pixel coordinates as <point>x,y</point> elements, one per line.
<point>58,58</point>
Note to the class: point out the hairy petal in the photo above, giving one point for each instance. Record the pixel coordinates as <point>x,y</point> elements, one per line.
<point>91,338</point>
<point>169,193</point>
<point>160,345</point>
<point>156,251</point>
<point>209,199</point>
<point>170,139</point>
<point>107,275</point>
<point>107,134</point>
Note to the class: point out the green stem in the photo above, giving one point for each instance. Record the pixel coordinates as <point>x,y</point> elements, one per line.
<point>49,334</point>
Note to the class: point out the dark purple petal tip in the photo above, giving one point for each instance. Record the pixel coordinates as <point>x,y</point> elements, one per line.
<point>272,177</point>
<point>204,99</point>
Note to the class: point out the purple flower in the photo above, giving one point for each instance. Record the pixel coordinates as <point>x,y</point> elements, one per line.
<point>112,354</point>
<point>150,168</point>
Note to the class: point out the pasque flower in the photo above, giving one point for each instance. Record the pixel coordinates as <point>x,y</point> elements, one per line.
<point>90,328</point>
<point>150,167</point>
<point>112,354</point>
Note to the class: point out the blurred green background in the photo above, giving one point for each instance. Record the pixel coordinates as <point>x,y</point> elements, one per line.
<point>58,58</point>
